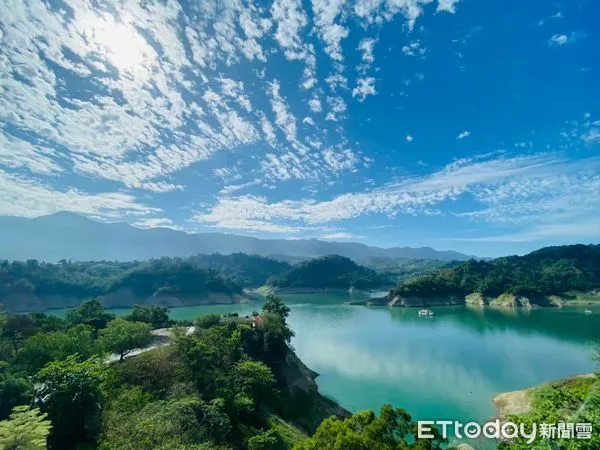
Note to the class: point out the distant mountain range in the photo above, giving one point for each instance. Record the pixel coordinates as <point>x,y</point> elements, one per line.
<point>70,236</point>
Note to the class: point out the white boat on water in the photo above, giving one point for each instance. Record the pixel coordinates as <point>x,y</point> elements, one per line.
<point>426,313</point>
<point>588,311</point>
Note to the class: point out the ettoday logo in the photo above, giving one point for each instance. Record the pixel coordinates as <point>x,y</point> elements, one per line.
<point>504,430</point>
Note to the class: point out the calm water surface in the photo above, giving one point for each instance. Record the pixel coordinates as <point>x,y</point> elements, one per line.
<point>445,367</point>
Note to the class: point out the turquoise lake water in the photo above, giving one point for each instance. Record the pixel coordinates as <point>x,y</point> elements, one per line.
<point>443,368</point>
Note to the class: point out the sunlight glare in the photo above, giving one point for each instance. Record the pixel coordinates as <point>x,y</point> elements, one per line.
<point>121,45</point>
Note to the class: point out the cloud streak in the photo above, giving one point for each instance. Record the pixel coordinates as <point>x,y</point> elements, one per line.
<point>514,190</point>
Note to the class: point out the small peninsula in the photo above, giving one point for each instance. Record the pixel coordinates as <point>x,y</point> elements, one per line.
<point>549,277</point>
<point>326,273</point>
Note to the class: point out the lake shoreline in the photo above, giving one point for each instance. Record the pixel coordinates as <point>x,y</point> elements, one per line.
<point>521,401</point>
<point>476,299</point>
<point>266,290</point>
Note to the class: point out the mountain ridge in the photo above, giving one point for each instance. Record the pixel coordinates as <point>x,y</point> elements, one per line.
<point>66,235</point>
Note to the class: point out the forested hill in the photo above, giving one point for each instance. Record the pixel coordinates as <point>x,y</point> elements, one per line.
<point>30,285</point>
<point>400,269</point>
<point>548,271</point>
<point>244,270</point>
<point>332,271</point>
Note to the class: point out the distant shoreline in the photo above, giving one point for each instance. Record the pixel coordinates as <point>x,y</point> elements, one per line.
<point>475,299</point>
<point>266,289</point>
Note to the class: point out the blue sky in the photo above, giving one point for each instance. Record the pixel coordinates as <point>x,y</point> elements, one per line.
<point>458,124</point>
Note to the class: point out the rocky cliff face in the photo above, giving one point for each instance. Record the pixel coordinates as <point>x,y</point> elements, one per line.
<point>309,406</point>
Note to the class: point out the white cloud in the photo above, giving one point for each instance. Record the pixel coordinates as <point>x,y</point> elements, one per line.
<point>447,5</point>
<point>340,161</point>
<point>336,81</point>
<point>337,107</point>
<point>284,119</point>
<point>268,131</point>
<point>377,11</point>
<point>290,19</point>
<point>229,189</point>
<point>592,133</point>
<point>325,13</point>
<point>364,88</point>
<point>156,223</point>
<point>285,167</point>
<point>315,104</point>
<point>235,90</point>
<point>366,46</point>
<point>558,40</point>
<point>463,135</point>
<point>414,49</point>
<point>228,173</point>
<point>118,132</point>
<point>27,197</point>
<point>342,235</point>
<point>574,230</point>
<point>17,153</point>
<point>519,189</point>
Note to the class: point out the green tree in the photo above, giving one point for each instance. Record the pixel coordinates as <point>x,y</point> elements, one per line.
<point>91,313</point>
<point>47,323</point>
<point>254,380</point>
<point>14,390</point>
<point>275,305</point>
<point>392,430</point>
<point>208,321</point>
<point>121,336</point>
<point>26,429</point>
<point>268,440</point>
<point>168,424</point>
<point>156,370</point>
<point>39,350</point>
<point>157,316</point>
<point>17,328</point>
<point>71,393</point>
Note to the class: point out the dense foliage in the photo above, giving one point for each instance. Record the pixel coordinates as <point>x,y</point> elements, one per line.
<point>552,270</point>
<point>244,270</point>
<point>330,271</point>
<point>22,282</point>
<point>393,429</point>
<point>575,401</point>
<point>400,269</point>
<point>232,383</point>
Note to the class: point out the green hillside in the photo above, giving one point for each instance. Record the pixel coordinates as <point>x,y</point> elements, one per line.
<point>244,270</point>
<point>32,285</point>
<point>332,271</point>
<point>400,269</point>
<point>549,271</point>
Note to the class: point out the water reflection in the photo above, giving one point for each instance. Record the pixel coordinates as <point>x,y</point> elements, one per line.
<point>447,367</point>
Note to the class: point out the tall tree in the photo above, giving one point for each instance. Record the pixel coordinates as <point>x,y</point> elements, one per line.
<point>155,315</point>
<point>71,393</point>
<point>14,390</point>
<point>39,350</point>
<point>276,305</point>
<point>91,313</point>
<point>121,336</point>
